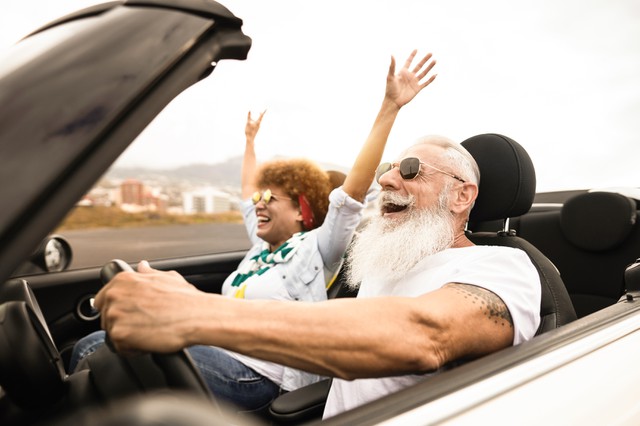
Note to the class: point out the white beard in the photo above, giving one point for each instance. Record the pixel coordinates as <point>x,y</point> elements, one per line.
<point>389,248</point>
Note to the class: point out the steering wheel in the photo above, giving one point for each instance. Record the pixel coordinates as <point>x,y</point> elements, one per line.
<point>116,374</point>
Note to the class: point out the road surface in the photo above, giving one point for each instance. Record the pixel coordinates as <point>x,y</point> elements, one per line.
<point>98,246</point>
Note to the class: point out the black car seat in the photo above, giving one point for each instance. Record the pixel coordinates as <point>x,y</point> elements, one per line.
<point>31,369</point>
<point>507,188</point>
<point>591,240</point>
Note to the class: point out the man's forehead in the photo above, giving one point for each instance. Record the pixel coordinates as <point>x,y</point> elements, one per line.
<point>424,151</point>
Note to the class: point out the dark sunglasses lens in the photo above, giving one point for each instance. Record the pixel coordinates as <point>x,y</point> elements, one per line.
<point>409,168</point>
<point>382,169</point>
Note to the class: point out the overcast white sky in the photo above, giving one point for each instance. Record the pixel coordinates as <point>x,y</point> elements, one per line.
<point>560,77</point>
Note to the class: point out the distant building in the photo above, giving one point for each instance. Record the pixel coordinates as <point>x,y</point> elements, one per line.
<point>206,200</point>
<point>136,198</point>
<point>132,191</point>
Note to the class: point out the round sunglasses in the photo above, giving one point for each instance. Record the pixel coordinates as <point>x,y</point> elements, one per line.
<point>266,196</point>
<point>410,168</point>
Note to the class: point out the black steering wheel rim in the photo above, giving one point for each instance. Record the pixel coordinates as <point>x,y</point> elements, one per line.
<point>144,372</point>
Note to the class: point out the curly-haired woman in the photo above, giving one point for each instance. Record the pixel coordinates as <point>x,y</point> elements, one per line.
<point>299,228</point>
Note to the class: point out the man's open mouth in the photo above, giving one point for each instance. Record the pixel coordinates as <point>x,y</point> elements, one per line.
<point>392,208</point>
<point>391,202</point>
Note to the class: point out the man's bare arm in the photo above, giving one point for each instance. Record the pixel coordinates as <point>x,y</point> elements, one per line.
<point>377,337</point>
<point>488,302</point>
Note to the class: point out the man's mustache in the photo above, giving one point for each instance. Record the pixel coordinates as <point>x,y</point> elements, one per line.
<point>391,197</point>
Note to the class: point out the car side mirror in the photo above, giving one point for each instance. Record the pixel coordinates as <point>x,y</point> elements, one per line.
<point>53,254</point>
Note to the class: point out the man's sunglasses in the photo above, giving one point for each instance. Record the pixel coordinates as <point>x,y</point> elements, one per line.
<point>409,169</point>
<point>266,196</point>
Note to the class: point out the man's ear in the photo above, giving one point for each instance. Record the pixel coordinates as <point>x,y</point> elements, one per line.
<point>463,197</point>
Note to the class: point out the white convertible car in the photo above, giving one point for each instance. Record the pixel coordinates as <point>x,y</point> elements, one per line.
<point>75,94</point>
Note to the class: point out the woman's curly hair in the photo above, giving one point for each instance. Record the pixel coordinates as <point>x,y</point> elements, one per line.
<point>295,177</point>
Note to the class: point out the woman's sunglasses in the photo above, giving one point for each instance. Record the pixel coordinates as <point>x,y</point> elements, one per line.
<point>409,169</point>
<point>266,196</point>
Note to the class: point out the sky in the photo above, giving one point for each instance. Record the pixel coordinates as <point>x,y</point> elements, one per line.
<point>560,77</point>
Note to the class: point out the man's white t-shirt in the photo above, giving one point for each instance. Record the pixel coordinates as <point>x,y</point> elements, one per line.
<point>505,271</point>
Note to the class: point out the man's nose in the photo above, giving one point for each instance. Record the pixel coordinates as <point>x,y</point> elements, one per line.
<point>390,179</point>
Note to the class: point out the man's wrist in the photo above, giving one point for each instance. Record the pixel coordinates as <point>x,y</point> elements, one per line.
<point>198,326</point>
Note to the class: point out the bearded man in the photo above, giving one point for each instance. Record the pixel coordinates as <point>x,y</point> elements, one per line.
<point>479,298</point>
<point>428,296</point>
<point>370,255</point>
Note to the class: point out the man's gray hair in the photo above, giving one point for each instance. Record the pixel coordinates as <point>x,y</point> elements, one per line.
<point>456,156</point>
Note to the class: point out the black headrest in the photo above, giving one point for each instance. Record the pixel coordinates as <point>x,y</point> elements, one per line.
<point>598,221</point>
<point>507,177</point>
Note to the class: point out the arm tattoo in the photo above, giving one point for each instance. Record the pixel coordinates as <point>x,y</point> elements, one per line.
<point>491,305</point>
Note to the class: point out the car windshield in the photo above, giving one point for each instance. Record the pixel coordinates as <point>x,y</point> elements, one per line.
<point>36,45</point>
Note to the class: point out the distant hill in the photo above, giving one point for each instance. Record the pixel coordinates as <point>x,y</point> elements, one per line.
<point>225,174</point>
<point>220,174</point>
